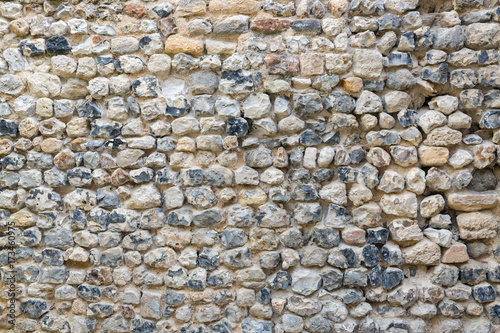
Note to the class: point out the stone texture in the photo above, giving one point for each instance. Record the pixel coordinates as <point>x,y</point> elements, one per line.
<point>250,166</point>
<point>477,225</point>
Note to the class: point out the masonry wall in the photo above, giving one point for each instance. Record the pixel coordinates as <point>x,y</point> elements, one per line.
<point>249,166</point>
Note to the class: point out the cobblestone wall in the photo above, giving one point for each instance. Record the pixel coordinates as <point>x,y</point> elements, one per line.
<point>249,166</point>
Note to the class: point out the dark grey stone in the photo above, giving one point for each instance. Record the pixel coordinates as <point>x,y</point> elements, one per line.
<point>339,102</point>
<point>325,237</point>
<point>392,277</point>
<point>58,45</point>
<point>307,26</point>
<point>371,255</point>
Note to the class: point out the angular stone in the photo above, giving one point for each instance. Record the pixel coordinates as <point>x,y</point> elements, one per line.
<point>404,205</point>
<point>367,64</point>
<point>305,281</point>
<point>423,253</point>
<point>457,253</point>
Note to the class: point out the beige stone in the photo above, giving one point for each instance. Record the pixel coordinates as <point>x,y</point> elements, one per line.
<point>44,107</point>
<point>443,136</point>
<point>336,63</point>
<point>51,145</point>
<point>404,204</point>
<point>433,156</point>
<point>338,7</point>
<point>77,127</point>
<point>424,252</point>
<point>143,197</point>
<point>186,144</point>
<point>405,232</point>
<point>477,225</point>
<point>457,253</point>
<point>23,218</point>
<point>220,47</point>
<point>20,27</point>
<point>179,44</point>
<point>190,8</point>
<point>471,201</point>
<point>367,64</point>
<point>234,6</point>
<point>312,64</point>
<point>484,155</point>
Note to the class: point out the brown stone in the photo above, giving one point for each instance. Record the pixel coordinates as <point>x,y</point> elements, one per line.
<point>179,44</point>
<point>338,7</point>
<point>79,144</point>
<point>64,160</point>
<point>312,64</point>
<point>128,311</point>
<point>352,84</point>
<point>51,145</point>
<point>20,27</point>
<point>278,304</point>
<point>354,236</point>
<point>28,127</point>
<point>477,225</point>
<point>471,202</point>
<point>167,26</point>
<point>282,64</point>
<point>457,253</point>
<point>280,158</point>
<point>270,25</point>
<point>135,10</point>
<point>5,147</point>
<point>432,294</point>
<point>119,177</point>
<point>100,276</point>
<point>484,155</point>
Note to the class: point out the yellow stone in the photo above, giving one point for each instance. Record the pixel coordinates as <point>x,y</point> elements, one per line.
<point>23,218</point>
<point>252,197</point>
<point>352,84</point>
<point>235,6</point>
<point>433,156</point>
<point>179,44</point>
<point>44,107</point>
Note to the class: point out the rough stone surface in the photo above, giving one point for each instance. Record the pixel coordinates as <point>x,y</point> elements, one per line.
<point>250,166</point>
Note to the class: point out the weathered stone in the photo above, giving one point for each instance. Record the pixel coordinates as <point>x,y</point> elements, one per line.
<point>367,64</point>
<point>477,225</point>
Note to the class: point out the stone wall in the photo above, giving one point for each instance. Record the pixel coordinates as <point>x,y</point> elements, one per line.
<point>249,166</point>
